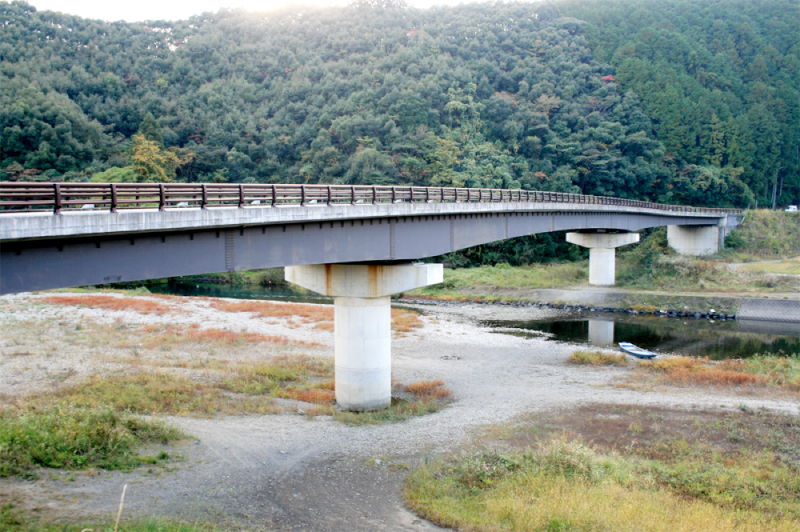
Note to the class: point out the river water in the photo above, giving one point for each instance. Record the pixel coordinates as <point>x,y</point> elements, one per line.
<point>686,336</point>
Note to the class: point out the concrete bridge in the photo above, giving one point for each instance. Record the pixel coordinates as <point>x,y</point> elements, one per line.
<point>354,243</point>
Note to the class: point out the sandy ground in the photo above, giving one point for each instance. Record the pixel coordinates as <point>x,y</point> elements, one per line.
<point>289,472</point>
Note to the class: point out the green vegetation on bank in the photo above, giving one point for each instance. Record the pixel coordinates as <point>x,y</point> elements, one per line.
<point>688,470</point>
<point>14,519</point>
<point>64,436</point>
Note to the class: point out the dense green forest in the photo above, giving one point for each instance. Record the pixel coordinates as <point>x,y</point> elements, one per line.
<point>495,95</point>
<point>720,80</point>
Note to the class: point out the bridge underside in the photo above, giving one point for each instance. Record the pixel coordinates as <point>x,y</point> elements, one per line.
<point>43,264</point>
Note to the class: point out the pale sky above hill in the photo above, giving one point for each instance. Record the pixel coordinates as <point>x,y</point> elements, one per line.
<point>138,10</point>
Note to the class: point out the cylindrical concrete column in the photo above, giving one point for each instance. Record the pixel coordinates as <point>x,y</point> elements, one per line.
<point>363,322</point>
<point>602,257</point>
<point>363,352</point>
<point>602,266</point>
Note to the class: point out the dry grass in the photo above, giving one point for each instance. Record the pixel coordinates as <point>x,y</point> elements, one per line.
<point>143,306</point>
<point>268,309</point>
<point>429,390</point>
<point>597,358</point>
<point>405,321</point>
<point>759,371</point>
<point>163,336</point>
<point>219,387</point>
<point>321,316</point>
<point>650,469</point>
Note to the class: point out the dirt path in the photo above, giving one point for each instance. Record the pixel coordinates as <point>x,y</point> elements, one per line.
<point>289,472</point>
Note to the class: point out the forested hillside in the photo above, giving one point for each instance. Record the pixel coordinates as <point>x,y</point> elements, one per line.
<point>494,95</point>
<point>720,80</point>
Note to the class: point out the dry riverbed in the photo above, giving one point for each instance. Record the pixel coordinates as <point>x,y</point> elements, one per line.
<point>270,465</point>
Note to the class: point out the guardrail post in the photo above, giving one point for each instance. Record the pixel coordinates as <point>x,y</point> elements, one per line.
<point>204,200</point>
<point>394,194</point>
<point>374,195</point>
<point>162,197</point>
<point>272,204</point>
<point>241,196</point>
<point>57,198</point>
<point>329,195</point>
<point>352,194</point>
<point>302,195</point>
<point>113,187</point>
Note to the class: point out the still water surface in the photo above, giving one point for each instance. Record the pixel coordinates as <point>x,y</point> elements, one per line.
<point>686,336</point>
<point>717,340</point>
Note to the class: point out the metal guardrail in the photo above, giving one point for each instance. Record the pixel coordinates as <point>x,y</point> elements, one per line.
<point>61,197</point>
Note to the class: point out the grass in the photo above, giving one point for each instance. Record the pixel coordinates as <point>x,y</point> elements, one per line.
<point>67,436</point>
<point>169,336</point>
<point>649,469</point>
<point>424,397</point>
<point>597,358</point>
<point>12,519</point>
<point>764,235</point>
<point>229,388</point>
<point>461,283</point>
<point>758,371</point>
<point>784,267</point>
<point>108,302</point>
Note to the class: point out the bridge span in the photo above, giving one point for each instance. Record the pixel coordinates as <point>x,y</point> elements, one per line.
<point>355,243</point>
<point>73,234</point>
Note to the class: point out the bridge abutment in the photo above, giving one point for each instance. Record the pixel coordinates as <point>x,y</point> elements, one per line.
<point>362,322</point>
<point>694,239</point>
<point>602,254</point>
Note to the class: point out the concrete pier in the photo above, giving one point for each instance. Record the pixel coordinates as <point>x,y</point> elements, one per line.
<point>694,239</point>
<point>602,257</point>
<point>362,322</point>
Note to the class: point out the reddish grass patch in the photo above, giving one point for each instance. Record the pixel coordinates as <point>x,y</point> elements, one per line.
<point>319,397</point>
<point>404,321</point>
<point>702,371</point>
<point>431,389</point>
<point>143,306</point>
<point>267,309</point>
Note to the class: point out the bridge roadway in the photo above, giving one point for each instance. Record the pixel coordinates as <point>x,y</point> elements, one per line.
<point>188,230</point>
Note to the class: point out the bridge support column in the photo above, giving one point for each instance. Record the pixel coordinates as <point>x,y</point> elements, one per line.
<point>694,239</point>
<point>602,257</point>
<point>362,322</point>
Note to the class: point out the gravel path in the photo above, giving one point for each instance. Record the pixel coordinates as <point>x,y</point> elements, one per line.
<point>289,472</point>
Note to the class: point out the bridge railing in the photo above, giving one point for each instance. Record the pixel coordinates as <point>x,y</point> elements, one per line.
<point>61,197</point>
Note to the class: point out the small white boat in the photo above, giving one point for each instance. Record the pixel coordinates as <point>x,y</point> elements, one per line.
<point>638,352</point>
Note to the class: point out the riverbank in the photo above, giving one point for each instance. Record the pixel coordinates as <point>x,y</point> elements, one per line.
<point>288,470</point>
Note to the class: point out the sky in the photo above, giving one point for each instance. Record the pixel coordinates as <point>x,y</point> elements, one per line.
<point>139,10</point>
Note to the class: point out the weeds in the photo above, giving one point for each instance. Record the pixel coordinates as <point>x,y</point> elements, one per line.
<point>597,358</point>
<point>685,471</point>
<point>67,436</point>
